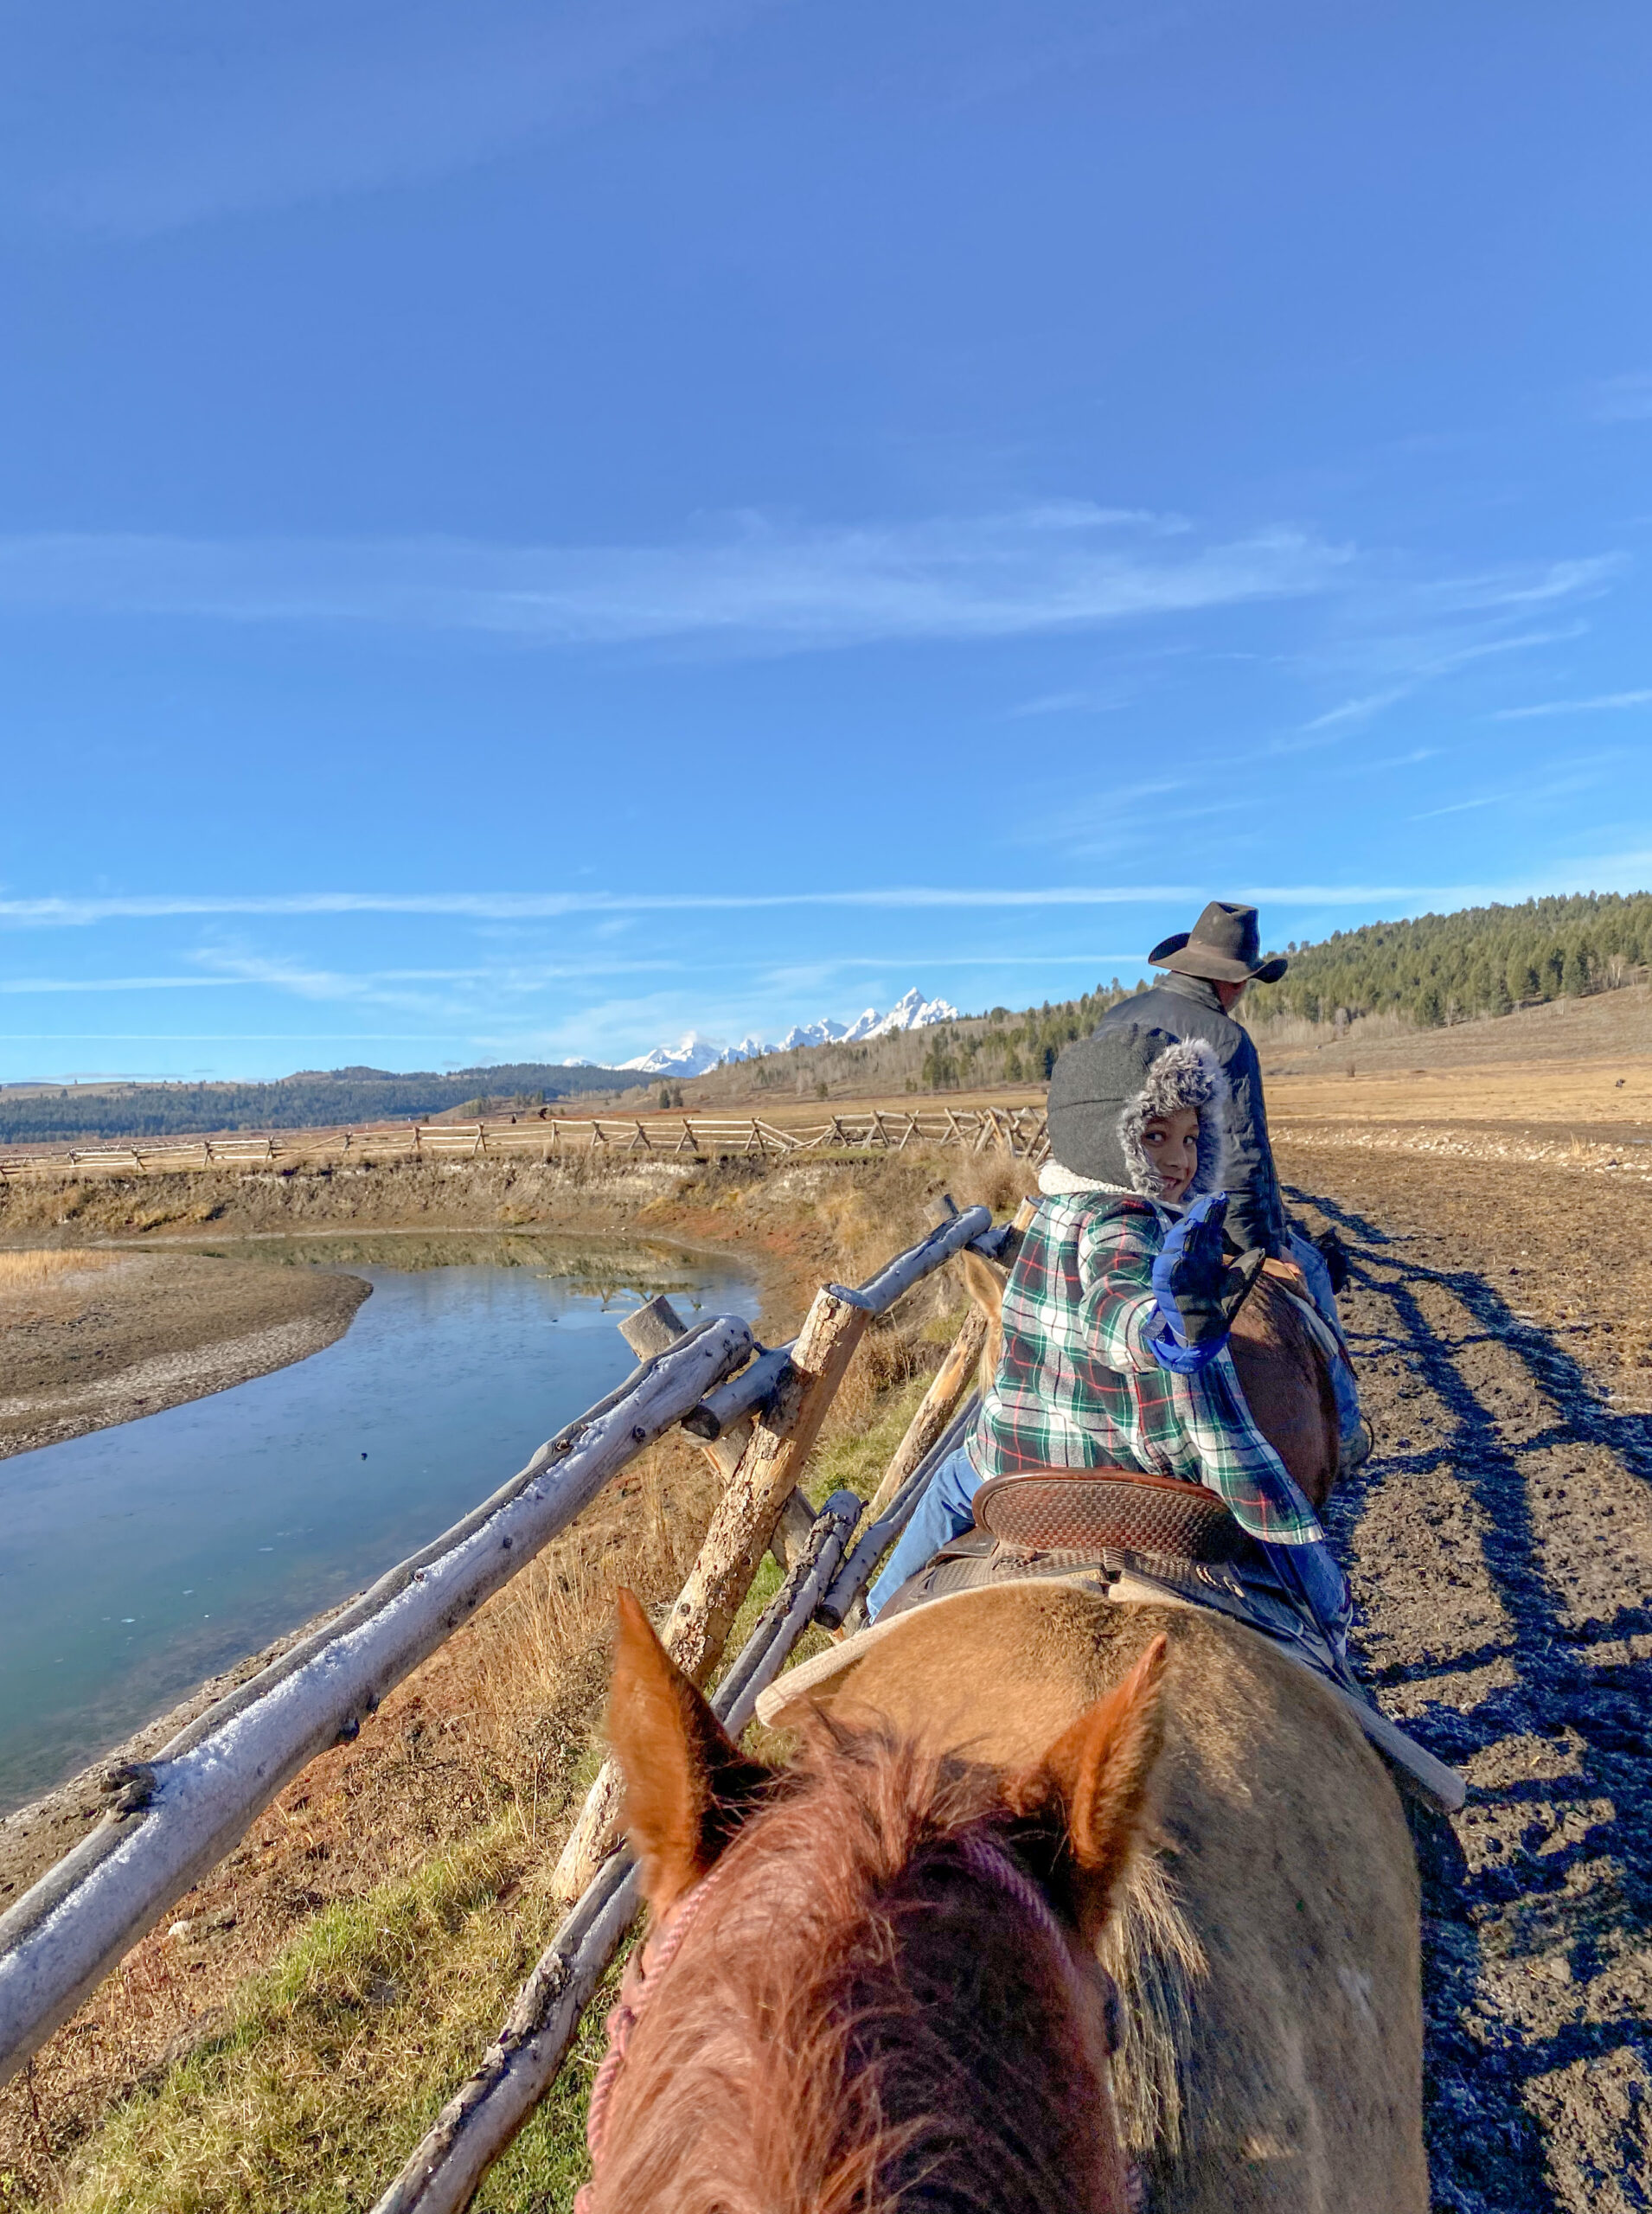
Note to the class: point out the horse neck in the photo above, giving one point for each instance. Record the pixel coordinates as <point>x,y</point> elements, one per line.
<point>861,2020</point>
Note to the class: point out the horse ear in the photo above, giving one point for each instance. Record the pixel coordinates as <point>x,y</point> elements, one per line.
<point>1094,1782</point>
<point>688,1785</point>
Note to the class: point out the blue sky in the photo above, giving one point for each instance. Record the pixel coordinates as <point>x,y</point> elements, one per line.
<point>528,527</point>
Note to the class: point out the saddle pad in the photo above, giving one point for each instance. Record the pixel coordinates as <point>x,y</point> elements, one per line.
<point>1065,1510</point>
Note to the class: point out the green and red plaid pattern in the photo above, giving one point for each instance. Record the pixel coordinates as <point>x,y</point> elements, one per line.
<point>1077,1387</point>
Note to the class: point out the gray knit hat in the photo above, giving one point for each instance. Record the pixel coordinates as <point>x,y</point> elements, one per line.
<point>1106,1087</point>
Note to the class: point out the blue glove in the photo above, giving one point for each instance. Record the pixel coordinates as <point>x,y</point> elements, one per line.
<point>1197,1291</point>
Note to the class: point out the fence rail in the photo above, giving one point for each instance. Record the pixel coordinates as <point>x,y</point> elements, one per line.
<point>172,1818</point>
<point>1019,1131</point>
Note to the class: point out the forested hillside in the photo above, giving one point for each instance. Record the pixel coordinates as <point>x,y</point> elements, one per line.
<point>1480,961</point>
<point>312,1100</point>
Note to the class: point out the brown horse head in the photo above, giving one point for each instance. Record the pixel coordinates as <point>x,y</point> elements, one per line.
<point>869,1984</point>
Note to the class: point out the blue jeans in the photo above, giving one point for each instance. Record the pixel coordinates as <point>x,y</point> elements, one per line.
<point>1312,1262</point>
<point>944,1513</point>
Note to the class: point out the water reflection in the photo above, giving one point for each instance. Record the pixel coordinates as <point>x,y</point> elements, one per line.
<point>137,1560</point>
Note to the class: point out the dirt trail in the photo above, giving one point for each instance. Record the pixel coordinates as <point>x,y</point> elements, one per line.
<point>1500,1543</point>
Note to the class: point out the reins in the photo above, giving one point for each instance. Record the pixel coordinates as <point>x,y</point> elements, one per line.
<point>642,1977</point>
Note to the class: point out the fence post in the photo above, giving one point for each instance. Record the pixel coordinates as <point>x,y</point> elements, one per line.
<point>740,1528</point>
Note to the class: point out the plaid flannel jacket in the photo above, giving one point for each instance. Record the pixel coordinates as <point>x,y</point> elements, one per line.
<point>1077,1387</point>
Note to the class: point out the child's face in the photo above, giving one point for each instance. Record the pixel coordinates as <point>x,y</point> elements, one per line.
<point>1171,1143</point>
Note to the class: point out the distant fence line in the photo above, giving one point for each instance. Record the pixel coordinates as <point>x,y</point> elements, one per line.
<point>1018,1131</point>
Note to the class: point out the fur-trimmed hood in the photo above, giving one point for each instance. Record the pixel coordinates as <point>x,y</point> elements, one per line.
<point>1106,1088</point>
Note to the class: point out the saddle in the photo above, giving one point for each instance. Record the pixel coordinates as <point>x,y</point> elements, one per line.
<point>1081,1510</point>
<point>1081,1523</point>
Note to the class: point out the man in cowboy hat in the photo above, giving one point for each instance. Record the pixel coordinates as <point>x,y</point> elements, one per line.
<point>1210,967</point>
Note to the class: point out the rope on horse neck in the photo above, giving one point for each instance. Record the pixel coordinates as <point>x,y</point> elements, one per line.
<point>637,1987</point>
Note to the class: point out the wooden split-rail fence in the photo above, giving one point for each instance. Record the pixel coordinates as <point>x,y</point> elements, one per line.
<point>1019,1131</point>
<point>756,1413</point>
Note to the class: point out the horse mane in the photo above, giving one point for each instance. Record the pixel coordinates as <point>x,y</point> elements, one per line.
<point>854,2013</point>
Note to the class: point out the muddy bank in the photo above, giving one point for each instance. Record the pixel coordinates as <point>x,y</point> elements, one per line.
<point>104,1337</point>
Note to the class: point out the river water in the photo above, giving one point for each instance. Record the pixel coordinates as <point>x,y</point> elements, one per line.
<point>138,1560</point>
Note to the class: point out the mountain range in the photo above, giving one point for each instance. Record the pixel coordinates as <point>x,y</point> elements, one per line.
<point>694,1055</point>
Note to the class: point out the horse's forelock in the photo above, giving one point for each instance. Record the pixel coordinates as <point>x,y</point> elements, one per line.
<point>791,2064</point>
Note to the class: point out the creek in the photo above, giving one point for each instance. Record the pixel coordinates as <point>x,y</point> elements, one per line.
<point>137,1561</point>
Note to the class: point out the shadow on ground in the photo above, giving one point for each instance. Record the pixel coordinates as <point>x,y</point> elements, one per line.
<point>1533,1677</point>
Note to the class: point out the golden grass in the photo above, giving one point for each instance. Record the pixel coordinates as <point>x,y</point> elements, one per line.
<point>49,1267</point>
<point>1536,1094</point>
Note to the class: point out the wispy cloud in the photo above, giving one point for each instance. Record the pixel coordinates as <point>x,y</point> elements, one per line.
<point>535,906</point>
<point>1602,703</point>
<point>1509,589</point>
<point>1360,710</point>
<point>1583,777</point>
<point>755,585</point>
<point>80,911</point>
<point>1391,761</point>
<point>113,983</point>
<point>1622,399</point>
<point>1071,703</point>
<point>1413,660</point>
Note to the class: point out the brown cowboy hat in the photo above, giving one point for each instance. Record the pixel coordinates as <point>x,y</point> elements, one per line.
<point>1222,946</point>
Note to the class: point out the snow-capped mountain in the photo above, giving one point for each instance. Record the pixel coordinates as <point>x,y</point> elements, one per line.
<point>823,1033</point>
<point>694,1055</point>
<point>914,1011</point>
<point>690,1056</point>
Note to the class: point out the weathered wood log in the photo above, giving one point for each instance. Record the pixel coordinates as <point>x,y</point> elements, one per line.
<point>741,1526</point>
<point>210,1781</point>
<point>744,1517</point>
<point>650,1331</point>
<point>935,1410</point>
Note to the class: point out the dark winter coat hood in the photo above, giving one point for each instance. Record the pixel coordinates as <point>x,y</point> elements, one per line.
<point>1107,1087</point>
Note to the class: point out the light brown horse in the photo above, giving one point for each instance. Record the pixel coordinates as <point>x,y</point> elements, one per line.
<point>870,2008</point>
<point>870,1983</point>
